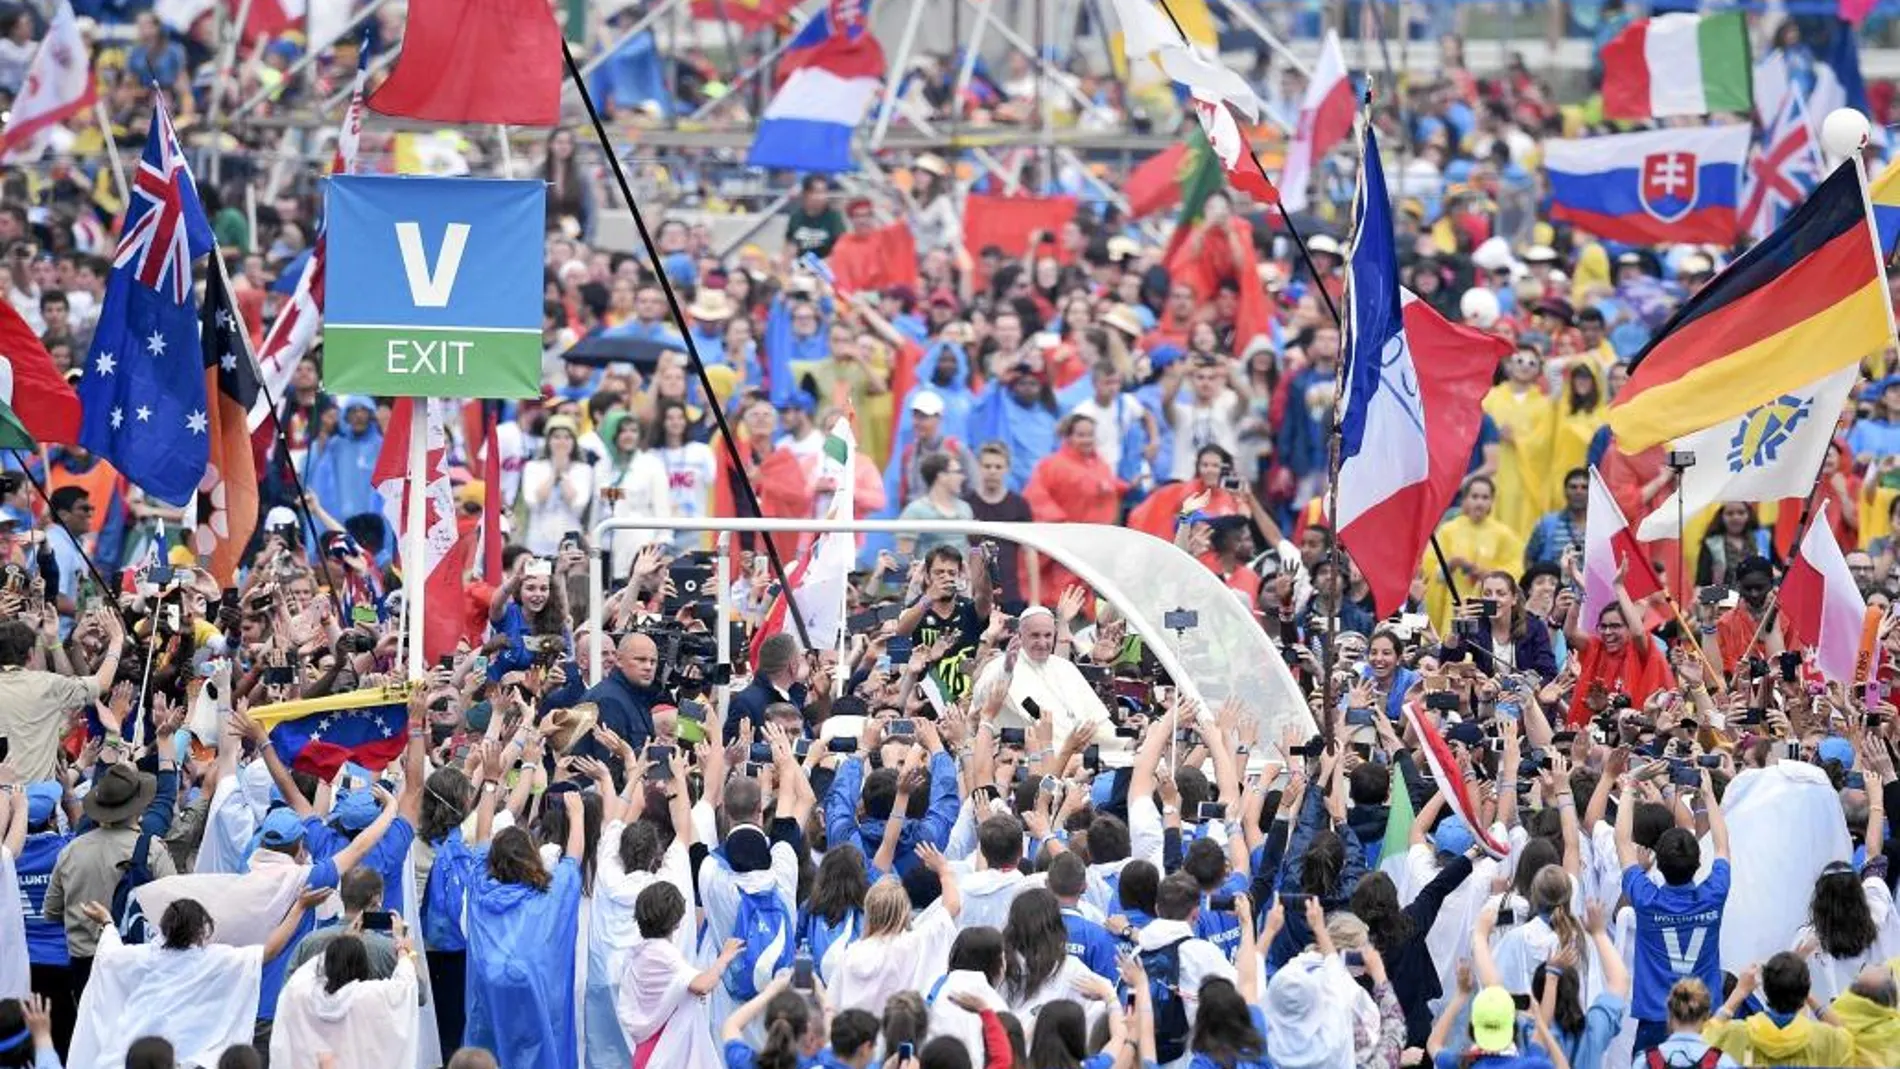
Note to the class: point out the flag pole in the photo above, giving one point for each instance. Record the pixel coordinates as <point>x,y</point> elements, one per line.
<point>106,593</point>
<point>112,152</point>
<point>1332,309</point>
<point>415,569</point>
<point>303,506</point>
<point>678,312</point>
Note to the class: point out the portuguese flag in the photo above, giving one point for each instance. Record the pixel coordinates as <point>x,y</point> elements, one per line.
<point>1184,173</point>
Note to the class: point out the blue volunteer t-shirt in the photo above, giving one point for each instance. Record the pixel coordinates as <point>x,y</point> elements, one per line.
<point>389,857</point>
<point>45,940</point>
<point>271,984</point>
<point>1091,944</point>
<point>1221,929</point>
<point>1678,935</point>
<point>740,1055</point>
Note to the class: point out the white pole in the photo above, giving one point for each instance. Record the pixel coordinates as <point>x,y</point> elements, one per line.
<point>112,153</point>
<point>416,540</point>
<point>722,560</point>
<point>227,66</point>
<point>250,216</point>
<point>507,153</point>
<point>596,584</point>
<point>895,79</point>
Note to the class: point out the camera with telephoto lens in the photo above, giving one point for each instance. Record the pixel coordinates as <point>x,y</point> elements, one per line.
<point>677,645</point>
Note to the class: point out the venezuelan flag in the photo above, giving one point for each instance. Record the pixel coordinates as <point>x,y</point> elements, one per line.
<point>321,735</point>
<point>1809,300</point>
<point>1885,193</point>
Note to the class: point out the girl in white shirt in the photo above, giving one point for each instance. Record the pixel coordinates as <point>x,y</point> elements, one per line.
<point>556,488</point>
<point>894,953</point>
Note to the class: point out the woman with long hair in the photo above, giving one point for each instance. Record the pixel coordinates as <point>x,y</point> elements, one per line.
<point>1229,1028</point>
<point>446,799</point>
<point>1734,534</point>
<point>522,921</point>
<point>570,187</point>
<point>633,482</point>
<point>335,1004</point>
<point>1499,634</point>
<point>795,1028</point>
<point>896,953</point>
<point>529,604</point>
<point>557,488</point>
<point>691,467</point>
<point>1060,1038</point>
<point>1851,922</point>
<point>833,914</point>
<point>1582,410</point>
<point>1400,932</point>
<point>1552,929</point>
<point>1038,968</point>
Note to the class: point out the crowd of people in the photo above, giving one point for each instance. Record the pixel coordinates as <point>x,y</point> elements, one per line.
<point>990,830</point>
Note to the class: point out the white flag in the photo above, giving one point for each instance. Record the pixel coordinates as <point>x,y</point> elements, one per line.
<point>1770,452</point>
<point>58,85</point>
<point>822,587</point>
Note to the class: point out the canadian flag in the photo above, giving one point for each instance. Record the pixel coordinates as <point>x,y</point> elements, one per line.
<point>1607,545</point>
<point>1325,120</point>
<point>445,554</point>
<point>295,329</point>
<point>1823,602</point>
<point>59,84</point>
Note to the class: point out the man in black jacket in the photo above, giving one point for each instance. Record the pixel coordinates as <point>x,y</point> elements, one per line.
<point>626,697</point>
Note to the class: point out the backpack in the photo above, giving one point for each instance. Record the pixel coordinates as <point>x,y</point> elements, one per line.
<point>1163,965</point>
<point>766,929</point>
<point>1653,1059</point>
<point>134,873</point>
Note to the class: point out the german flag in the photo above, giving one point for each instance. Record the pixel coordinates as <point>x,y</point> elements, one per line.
<point>1809,300</point>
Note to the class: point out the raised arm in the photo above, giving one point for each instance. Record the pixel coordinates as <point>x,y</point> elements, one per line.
<point>1718,824</point>
<point>367,839</point>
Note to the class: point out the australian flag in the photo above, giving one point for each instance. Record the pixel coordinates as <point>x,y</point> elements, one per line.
<point>143,391</point>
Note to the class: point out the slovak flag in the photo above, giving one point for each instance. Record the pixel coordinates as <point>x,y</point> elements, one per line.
<point>834,68</point>
<point>1823,603</point>
<point>1413,405</point>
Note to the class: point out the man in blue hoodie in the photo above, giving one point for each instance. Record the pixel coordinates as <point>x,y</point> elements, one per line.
<point>626,697</point>
<point>857,807</point>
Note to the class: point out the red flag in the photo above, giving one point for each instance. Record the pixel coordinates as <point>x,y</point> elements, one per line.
<point>42,399</point>
<point>479,61</point>
<point>1444,768</point>
<point>876,261</point>
<point>1608,543</point>
<point>1822,601</point>
<point>1008,222</point>
<point>1155,186</point>
<point>749,16</point>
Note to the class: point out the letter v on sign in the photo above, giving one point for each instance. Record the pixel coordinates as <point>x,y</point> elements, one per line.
<point>430,288</point>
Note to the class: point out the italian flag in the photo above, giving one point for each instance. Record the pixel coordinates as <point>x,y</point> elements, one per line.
<point>13,433</point>
<point>1678,64</point>
<point>821,578</point>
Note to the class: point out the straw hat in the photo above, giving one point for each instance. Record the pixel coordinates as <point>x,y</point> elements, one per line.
<point>931,163</point>
<point>710,306</point>
<point>570,725</point>
<point>1123,318</point>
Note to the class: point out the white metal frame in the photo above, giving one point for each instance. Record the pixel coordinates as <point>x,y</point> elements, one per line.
<point>1137,615</point>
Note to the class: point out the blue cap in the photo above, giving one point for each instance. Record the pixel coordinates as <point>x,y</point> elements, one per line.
<point>798,399</point>
<point>41,799</point>
<point>1465,731</point>
<point>1453,835</point>
<point>1165,354</point>
<point>1835,748</point>
<point>282,827</point>
<point>354,811</point>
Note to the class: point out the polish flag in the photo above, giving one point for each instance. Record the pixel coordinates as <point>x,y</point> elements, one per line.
<point>1325,120</point>
<point>1451,783</point>
<point>1823,602</point>
<point>1607,543</point>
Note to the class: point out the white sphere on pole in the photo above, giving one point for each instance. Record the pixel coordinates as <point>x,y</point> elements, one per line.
<point>1844,133</point>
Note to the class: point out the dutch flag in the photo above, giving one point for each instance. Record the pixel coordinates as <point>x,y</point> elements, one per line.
<point>835,67</point>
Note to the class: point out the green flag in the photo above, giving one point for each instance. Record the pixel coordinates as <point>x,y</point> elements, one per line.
<point>1398,820</point>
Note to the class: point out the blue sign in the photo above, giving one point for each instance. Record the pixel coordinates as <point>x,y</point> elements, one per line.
<point>433,286</point>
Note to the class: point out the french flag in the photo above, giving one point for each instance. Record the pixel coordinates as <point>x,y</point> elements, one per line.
<point>1657,187</point>
<point>1823,603</point>
<point>1405,438</point>
<point>835,67</point>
